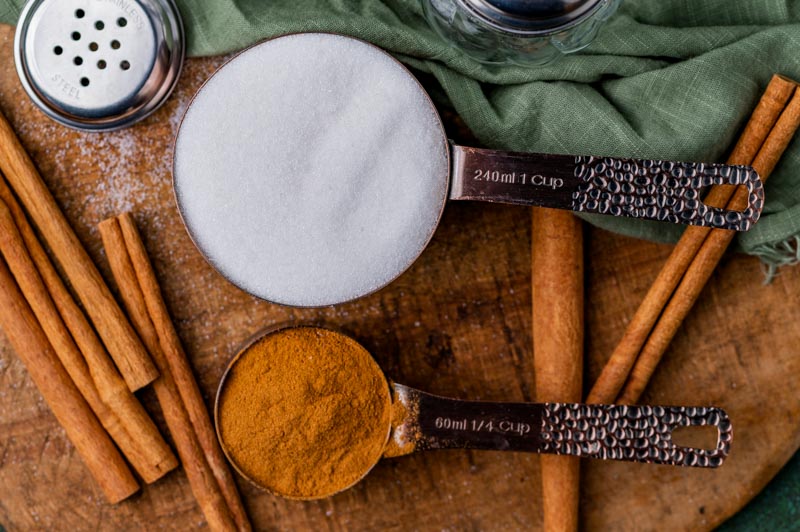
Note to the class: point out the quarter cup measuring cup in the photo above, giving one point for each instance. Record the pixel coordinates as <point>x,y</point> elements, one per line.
<point>421,421</point>
<point>313,169</point>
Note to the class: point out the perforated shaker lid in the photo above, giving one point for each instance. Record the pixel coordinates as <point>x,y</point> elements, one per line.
<point>99,64</point>
<point>534,15</point>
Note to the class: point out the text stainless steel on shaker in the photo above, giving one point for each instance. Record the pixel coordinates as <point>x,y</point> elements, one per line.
<point>99,64</point>
<point>331,182</point>
<point>524,32</point>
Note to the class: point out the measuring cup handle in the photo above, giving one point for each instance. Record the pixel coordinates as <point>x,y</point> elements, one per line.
<point>608,432</point>
<point>633,433</point>
<point>648,189</point>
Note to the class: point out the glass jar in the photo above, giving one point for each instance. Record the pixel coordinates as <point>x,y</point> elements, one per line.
<point>522,32</point>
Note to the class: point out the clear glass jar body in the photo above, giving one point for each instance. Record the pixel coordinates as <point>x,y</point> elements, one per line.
<point>489,42</point>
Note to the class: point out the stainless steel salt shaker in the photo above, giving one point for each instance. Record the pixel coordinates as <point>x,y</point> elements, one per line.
<point>99,64</point>
<point>523,32</point>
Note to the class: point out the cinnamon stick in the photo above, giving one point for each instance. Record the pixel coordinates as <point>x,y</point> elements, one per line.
<point>706,260</point>
<point>616,371</point>
<point>201,479</point>
<point>70,409</point>
<point>91,369</point>
<point>557,283</point>
<point>180,369</point>
<point>772,103</point>
<point>112,326</point>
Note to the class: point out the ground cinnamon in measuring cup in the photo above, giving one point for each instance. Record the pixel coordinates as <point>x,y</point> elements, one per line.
<point>304,412</point>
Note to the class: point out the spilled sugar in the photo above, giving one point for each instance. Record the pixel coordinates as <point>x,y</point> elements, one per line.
<point>311,169</point>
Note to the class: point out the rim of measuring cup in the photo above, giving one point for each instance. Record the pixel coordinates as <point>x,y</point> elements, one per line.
<point>245,346</point>
<point>447,177</point>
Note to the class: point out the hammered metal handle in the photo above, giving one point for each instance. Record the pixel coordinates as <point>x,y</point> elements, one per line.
<point>634,433</point>
<point>664,190</point>
<point>657,190</point>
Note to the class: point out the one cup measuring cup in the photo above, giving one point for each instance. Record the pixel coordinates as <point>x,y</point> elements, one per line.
<point>306,412</point>
<point>313,169</point>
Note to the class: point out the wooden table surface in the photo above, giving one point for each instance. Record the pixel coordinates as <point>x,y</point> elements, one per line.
<point>458,323</point>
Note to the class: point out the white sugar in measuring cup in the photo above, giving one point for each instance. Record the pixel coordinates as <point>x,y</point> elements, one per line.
<point>313,169</point>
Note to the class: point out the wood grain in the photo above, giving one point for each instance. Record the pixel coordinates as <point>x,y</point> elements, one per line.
<point>458,323</point>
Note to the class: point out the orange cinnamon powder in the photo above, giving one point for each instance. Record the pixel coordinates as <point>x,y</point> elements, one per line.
<point>304,412</point>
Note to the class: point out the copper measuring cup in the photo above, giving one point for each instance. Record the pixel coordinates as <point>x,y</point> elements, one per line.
<point>607,432</point>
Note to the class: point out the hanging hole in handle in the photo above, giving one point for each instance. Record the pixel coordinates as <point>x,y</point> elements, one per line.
<point>696,436</point>
<point>736,217</point>
<point>691,419</point>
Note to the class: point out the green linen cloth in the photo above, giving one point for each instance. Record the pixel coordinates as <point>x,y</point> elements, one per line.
<point>672,79</point>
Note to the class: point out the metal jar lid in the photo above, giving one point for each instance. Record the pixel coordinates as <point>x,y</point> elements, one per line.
<point>99,65</point>
<point>533,16</point>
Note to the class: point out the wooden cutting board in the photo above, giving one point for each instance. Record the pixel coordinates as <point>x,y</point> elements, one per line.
<point>458,323</point>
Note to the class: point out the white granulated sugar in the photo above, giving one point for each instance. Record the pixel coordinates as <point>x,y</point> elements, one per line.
<point>311,169</point>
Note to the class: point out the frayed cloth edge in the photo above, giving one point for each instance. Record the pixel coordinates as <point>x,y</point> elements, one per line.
<point>776,255</point>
